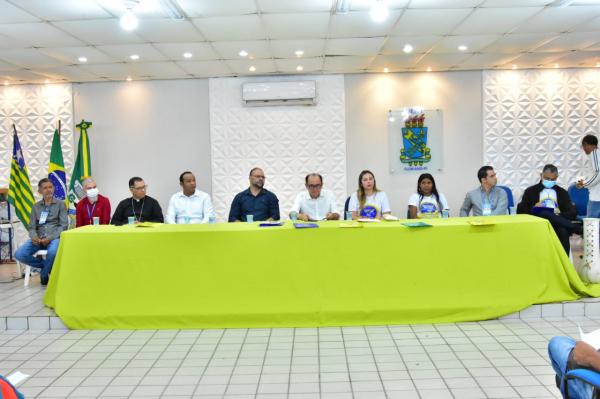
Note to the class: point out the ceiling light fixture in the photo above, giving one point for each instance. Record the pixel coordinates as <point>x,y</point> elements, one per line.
<point>462,47</point>
<point>129,21</point>
<point>82,59</point>
<point>187,55</point>
<point>47,81</point>
<point>243,53</point>
<point>299,53</point>
<point>408,48</point>
<point>379,11</point>
<point>391,117</point>
<point>556,66</point>
<point>597,64</point>
<point>515,67</point>
<point>428,69</point>
<point>129,78</point>
<point>386,70</point>
<point>299,68</point>
<point>252,68</point>
<point>6,83</point>
<point>134,57</point>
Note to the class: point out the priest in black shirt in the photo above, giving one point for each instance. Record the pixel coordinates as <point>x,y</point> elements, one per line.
<point>140,206</point>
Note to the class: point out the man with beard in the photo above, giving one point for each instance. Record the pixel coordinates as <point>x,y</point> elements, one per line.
<point>255,200</point>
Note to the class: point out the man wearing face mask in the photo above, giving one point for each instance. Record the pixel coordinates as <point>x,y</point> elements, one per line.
<point>552,202</point>
<point>92,205</point>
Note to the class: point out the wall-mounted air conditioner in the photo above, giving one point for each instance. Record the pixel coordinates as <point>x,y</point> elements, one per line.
<point>279,93</point>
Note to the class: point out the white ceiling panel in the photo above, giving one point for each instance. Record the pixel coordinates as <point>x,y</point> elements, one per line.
<point>241,27</point>
<point>495,20</point>
<point>519,42</point>
<point>421,44</point>
<point>287,48</point>
<point>5,66</point>
<point>346,63</point>
<point>441,61</point>
<point>143,9</point>
<point>10,43</point>
<point>594,47</point>
<point>195,8</point>
<point>290,65</point>
<point>39,34</point>
<point>241,67</point>
<point>365,5</point>
<point>205,68</point>
<point>168,30</point>
<point>580,58</point>
<point>554,19</point>
<point>394,62</point>
<point>99,31</point>
<point>118,71</point>
<point>29,58</point>
<point>160,70</point>
<point>72,73</point>
<point>291,6</point>
<point>515,3</point>
<point>430,22</point>
<point>354,46</point>
<point>360,24</point>
<point>589,26</point>
<point>296,26</point>
<point>445,3</point>
<point>10,14</point>
<point>200,51</point>
<point>22,76</point>
<point>255,49</point>
<point>487,60</point>
<point>532,60</point>
<point>570,41</point>
<point>474,43</point>
<point>70,55</point>
<point>121,52</point>
<point>64,9</point>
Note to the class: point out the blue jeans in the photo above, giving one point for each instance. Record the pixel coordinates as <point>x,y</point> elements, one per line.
<point>593,209</point>
<point>559,350</point>
<point>25,255</point>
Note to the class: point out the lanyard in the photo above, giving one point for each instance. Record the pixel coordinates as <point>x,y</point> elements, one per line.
<point>141,210</point>
<point>91,213</point>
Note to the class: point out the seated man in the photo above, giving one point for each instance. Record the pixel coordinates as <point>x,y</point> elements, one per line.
<point>551,202</point>
<point>567,354</point>
<point>315,203</point>
<point>255,200</point>
<point>189,205</point>
<point>48,219</point>
<point>487,199</point>
<point>140,206</point>
<point>92,205</point>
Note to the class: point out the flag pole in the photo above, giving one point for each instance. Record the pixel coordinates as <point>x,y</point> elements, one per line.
<point>59,126</point>
<point>14,128</point>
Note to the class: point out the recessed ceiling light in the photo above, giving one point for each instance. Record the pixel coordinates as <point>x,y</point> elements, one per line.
<point>129,21</point>
<point>515,67</point>
<point>386,70</point>
<point>82,59</point>
<point>252,68</point>
<point>556,66</point>
<point>299,68</point>
<point>129,78</point>
<point>187,55</point>
<point>243,53</point>
<point>428,69</point>
<point>299,53</point>
<point>47,81</point>
<point>462,47</point>
<point>6,83</point>
<point>597,64</point>
<point>379,11</point>
<point>134,57</point>
<point>407,48</point>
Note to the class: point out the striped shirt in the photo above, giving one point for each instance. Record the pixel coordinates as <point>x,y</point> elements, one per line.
<point>591,182</point>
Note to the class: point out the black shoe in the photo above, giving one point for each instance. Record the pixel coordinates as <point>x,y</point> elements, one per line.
<point>44,280</point>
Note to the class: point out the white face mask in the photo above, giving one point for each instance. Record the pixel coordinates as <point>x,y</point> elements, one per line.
<point>92,193</point>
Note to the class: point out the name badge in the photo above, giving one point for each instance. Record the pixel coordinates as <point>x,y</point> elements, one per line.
<point>43,217</point>
<point>487,210</point>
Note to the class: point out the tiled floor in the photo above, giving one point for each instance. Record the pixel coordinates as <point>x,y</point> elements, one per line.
<point>491,359</point>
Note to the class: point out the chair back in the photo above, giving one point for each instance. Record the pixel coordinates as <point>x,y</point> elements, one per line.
<point>509,194</point>
<point>346,206</point>
<point>580,197</point>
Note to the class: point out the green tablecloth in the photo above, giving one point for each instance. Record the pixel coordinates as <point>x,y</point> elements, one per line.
<point>243,275</point>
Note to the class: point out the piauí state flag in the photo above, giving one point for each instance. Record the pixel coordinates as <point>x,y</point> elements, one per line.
<point>19,187</point>
<point>83,166</point>
<point>56,168</point>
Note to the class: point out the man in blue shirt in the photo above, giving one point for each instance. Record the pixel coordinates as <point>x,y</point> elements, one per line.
<point>255,200</point>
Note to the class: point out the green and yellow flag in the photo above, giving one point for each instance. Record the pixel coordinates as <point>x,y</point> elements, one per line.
<point>82,168</point>
<point>20,194</point>
<point>56,169</point>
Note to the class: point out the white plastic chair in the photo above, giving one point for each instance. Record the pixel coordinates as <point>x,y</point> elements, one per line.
<point>39,254</point>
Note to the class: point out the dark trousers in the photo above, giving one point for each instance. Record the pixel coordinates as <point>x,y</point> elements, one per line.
<point>562,226</point>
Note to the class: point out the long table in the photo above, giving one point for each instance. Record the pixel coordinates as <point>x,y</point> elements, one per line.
<point>243,275</point>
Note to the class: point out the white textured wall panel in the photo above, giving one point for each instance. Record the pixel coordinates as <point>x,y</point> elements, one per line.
<point>287,142</point>
<point>535,117</point>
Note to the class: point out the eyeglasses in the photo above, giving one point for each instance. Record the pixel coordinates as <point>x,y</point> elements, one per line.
<point>314,186</point>
<point>143,188</point>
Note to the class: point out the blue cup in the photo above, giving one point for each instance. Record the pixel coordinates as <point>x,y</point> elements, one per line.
<point>250,218</point>
<point>348,215</point>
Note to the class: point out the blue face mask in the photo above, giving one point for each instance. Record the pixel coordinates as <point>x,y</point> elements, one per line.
<point>548,183</point>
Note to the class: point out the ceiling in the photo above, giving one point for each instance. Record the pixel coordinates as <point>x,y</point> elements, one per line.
<point>42,40</point>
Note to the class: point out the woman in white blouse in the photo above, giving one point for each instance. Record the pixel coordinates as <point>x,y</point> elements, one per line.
<point>368,201</point>
<point>426,202</point>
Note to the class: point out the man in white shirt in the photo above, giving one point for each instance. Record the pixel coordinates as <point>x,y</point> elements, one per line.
<point>590,147</point>
<point>189,206</point>
<point>315,203</point>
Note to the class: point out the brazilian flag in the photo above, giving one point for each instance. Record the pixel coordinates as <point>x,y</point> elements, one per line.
<point>56,168</point>
<point>19,187</point>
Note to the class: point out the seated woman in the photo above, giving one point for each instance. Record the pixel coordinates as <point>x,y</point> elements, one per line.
<point>426,202</point>
<point>368,202</point>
